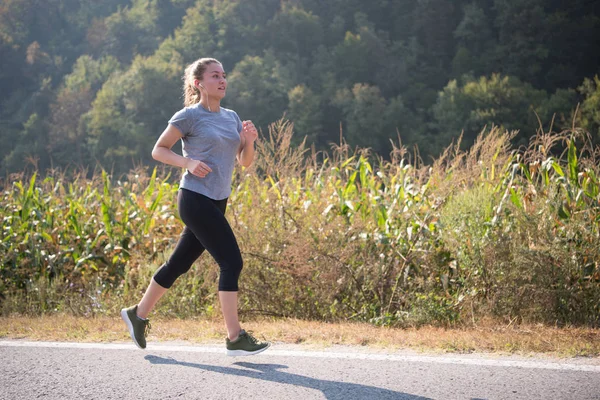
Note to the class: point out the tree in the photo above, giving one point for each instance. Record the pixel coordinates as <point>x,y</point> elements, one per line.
<point>370,120</point>
<point>257,91</point>
<point>360,56</point>
<point>140,28</point>
<point>240,28</point>
<point>305,111</point>
<point>475,40</point>
<point>590,108</point>
<point>559,109</point>
<point>569,30</point>
<point>67,134</point>
<point>29,146</point>
<point>499,100</point>
<point>294,56</point>
<point>295,31</point>
<point>433,27</point>
<point>522,39</point>
<point>197,37</point>
<point>130,111</point>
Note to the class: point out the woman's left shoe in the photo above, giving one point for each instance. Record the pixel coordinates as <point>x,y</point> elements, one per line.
<point>138,327</point>
<point>245,345</point>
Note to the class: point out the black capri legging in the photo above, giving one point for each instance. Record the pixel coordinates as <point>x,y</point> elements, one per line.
<point>205,228</point>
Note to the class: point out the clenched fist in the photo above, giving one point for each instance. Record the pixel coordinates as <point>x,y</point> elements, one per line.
<point>197,168</point>
<point>249,132</point>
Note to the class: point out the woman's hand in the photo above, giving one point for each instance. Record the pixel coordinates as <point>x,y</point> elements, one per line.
<point>197,168</point>
<point>249,132</point>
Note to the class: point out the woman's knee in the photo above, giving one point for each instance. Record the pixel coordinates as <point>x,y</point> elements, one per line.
<point>230,274</point>
<point>168,273</point>
<point>233,267</point>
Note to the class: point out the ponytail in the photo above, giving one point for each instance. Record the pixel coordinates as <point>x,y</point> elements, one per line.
<point>195,70</point>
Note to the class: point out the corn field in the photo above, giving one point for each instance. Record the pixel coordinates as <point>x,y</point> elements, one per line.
<point>491,231</point>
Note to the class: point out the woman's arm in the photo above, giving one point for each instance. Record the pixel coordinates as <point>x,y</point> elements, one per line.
<point>162,152</point>
<point>248,136</point>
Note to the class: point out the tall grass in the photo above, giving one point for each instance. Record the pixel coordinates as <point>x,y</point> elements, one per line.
<point>492,231</point>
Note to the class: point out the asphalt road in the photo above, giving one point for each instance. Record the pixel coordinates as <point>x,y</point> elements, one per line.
<point>44,370</point>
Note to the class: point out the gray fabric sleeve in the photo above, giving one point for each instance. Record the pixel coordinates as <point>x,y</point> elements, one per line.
<point>239,122</point>
<point>181,121</point>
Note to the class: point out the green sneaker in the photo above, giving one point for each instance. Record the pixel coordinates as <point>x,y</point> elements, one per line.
<point>138,328</point>
<point>245,345</point>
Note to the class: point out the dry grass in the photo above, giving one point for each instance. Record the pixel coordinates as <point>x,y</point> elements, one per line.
<point>487,338</point>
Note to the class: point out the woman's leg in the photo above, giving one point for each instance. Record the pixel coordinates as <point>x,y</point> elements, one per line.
<point>205,217</point>
<point>229,307</point>
<point>151,297</point>
<point>187,250</point>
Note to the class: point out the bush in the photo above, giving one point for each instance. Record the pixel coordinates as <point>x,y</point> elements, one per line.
<point>488,231</point>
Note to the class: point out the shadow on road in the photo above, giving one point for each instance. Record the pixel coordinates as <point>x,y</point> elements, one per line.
<point>273,373</point>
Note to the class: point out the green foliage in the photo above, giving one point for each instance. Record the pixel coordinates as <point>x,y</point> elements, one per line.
<point>433,25</point>
<point>140,29</point>
<point>487,231</point>
<point>116,134</point>
<point>67,133</point>
<point>295,31</point>
<point>363,108</point>
<point>256,89</point>
<point>72,62</point>
<point>88,72</point>
<point>522,38</point>
<point>80,232</point>
<point>590,108</point>
<point>306,112</point>
<point>471,104</point>
<point>475,41</point>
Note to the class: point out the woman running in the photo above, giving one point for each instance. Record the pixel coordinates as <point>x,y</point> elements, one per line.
<point>212,137</point>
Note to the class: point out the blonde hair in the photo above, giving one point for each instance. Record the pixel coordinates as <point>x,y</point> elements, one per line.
<point>193,71</point>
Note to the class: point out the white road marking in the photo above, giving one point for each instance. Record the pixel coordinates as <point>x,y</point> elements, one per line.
<point>457,360</point>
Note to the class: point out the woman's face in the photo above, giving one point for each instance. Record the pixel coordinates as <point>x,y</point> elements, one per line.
<point>214,81</point>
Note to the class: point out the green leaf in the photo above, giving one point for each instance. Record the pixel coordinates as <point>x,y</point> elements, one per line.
<point>525,170</point>
<point>31,185</point>
<point>563,213</point>
<point>572,157</point>
<point>274,187</point>
<point>348,161</point>
<point>106,184</point>
<point>514,198</point>
<point>150,189</point>
<point>558,169</point>
<point>106,219</point>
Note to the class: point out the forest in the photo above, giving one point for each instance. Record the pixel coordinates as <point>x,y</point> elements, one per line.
<point>420,161</point>
<point>86,83</point>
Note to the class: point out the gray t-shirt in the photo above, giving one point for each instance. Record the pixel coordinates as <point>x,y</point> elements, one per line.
<point>214,139</point>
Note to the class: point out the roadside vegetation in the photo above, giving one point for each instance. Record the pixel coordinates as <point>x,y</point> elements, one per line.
<point>488,233</point>
<point>485,337</point>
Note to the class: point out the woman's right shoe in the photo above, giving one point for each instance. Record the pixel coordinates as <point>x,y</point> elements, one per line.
<point>245,345</point>
<point>138,328</point>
